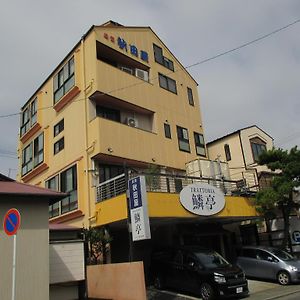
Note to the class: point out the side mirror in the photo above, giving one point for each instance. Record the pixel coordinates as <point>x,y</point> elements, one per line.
<point>270,258</point>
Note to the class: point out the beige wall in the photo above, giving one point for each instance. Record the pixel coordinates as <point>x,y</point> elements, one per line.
<point>32,263</point>
<point>123,281</point>
<point>241,153</point>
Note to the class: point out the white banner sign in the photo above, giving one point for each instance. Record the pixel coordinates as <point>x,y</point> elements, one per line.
<point>202,199</point>
<point>139,209</point>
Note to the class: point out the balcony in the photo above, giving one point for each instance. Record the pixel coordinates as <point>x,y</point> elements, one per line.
<point>120,84</point>
<point>163,199</point>
<point>166,183</point>
<point>122,140</point>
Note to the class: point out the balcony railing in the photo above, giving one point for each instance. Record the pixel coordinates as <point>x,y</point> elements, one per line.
<point>167,183</point>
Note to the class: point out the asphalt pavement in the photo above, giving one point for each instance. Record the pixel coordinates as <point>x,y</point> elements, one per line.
<point>259,290</point>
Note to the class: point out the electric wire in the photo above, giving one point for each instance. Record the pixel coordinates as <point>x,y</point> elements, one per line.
<point>187,67</point>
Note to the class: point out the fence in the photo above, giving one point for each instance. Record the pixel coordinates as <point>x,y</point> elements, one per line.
<point>168,183</point>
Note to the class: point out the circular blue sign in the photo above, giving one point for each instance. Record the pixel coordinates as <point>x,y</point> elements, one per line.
<point>12,221</point>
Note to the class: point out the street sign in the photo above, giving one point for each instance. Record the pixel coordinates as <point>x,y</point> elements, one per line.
<point>138,209</point>
<point>12,221</point>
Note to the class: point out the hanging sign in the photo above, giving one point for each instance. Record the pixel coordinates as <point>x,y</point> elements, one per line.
<point>202,199</point>
<point>138,209</point>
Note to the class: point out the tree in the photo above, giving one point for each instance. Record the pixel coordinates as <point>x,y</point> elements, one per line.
<point>279,196</point>
<point>98,239</point>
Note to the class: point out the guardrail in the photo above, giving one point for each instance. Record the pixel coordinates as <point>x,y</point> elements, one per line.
<point>168,183</point>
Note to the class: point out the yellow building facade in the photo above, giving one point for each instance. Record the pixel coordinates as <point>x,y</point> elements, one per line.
<point>119,96</point>
<point>119,101</point>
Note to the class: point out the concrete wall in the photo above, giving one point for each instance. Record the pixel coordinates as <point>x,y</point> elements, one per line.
<point>123,281</point>
<point>32,251</point>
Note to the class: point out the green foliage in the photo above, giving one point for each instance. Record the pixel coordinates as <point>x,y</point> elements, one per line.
<point>279,197</point>
<point>98,239</point>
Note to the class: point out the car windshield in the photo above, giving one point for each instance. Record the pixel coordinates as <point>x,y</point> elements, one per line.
<point>212,260</point>
<point>282,254</point>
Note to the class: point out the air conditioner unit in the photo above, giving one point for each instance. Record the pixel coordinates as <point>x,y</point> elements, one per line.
<point>132,122</point>
<point>142,74</point>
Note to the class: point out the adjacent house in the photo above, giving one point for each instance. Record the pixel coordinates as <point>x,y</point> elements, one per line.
<point>241,149</point>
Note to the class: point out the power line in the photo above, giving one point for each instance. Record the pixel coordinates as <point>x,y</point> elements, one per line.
<point>188,67</point>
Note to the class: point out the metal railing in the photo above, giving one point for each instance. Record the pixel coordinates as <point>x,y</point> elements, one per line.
<point>168,183</point>
<point>111,188</point>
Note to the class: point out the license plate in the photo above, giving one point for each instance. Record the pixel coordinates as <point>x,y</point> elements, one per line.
<point>239,290</point>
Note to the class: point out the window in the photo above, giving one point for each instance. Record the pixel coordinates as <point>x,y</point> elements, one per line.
<point>64,80</point>
<point>167,83</point>
<point>159,58</point>
<point>258,147</point>
<point>38,150</point>
<point>167,130</point>
<point>33,154</point>
<point>59,127</point>
<point>65,182</point>
<point>183,139</point>
<point>227,152</point>
<point>199,144</point>
<point>53,185</point>
<point>190,96</point>
<point>108,113</point>
<point>29,117</point>
<point>27,159</point>
<point>59,145</point>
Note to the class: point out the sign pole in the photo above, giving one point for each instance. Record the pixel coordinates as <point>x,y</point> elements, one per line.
<point>14,269</point>
<point>11,224</point>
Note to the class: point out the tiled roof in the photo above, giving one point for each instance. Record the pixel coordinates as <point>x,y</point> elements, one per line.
<point>12,188</point>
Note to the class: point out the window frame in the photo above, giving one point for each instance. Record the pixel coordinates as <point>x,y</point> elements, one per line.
<point>190,96</point>
<point>168,81</point>
<point>71,201</point>
<point>59,145</point>
<point>182,140</point>
<point>58,127</point>
<point>198,144</point>
<point>227,152</point>
<point>28,117</point>
<point>167,130</point>
<point>61,85</point>
<point>36,147</point>
<point>256,145</point>
<point>161,59</point>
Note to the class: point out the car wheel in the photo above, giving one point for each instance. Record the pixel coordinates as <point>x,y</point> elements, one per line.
<point>206,291</point>
<point>283,278</point>
<point>158,284</point>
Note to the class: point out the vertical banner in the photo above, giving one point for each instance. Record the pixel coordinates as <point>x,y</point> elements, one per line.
<point>139,209</point>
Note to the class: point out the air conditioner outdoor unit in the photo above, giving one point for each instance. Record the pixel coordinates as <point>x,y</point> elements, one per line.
<point>132,122</point>
<point>142,74</point>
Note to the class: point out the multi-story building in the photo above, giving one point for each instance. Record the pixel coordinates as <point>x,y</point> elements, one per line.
<point>119,100</point>
<point>241,149</point>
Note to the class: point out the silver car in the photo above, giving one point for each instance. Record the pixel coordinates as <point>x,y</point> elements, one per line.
<point>269,263</point>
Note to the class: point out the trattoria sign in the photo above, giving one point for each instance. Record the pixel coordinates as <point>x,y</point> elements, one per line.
<point>202,199</point>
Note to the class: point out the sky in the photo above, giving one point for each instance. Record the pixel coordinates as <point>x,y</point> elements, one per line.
<point>255,85</point>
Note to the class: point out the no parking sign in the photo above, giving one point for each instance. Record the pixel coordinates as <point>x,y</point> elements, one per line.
<point>11,224</point>
<point>12,221</point>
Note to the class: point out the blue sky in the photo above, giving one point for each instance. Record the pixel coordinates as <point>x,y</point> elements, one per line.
<point>258,84</point>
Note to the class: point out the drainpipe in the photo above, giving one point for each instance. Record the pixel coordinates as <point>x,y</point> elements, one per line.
<point>87,178</point>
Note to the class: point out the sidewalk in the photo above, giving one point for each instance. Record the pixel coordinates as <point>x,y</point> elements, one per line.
<point>260,290</point>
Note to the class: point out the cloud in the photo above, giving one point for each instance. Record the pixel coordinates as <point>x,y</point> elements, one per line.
<point>255,85</point>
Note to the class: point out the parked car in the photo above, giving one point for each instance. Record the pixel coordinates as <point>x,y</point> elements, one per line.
<point>199,271</point>
<point>269,263</point>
